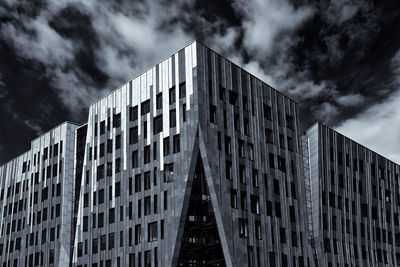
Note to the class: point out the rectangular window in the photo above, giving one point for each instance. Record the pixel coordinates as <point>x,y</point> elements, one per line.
<point>213,114</point>
<point>135,159</point>
<point>133,113</point>
<point>172,97</point>
<point>145,129</point>
<point>176,143</point>
<point>182,90</point>
<point>172,118</point>
<point>243,228</point>
<point>233,198</point>
<point>267,112</point>
<point>133,135</point>
<point>184,112</point>
<point>147,180</point>
<point>166,146</point>
<point>117,120</point>
<point>146,154</point>
<point>111,216</point>
<point>138,183</point>
<point>152,234</point>
<point>157,124</point>
<point>138,234</point>
<point>159,100</point>
<point>145,107</point>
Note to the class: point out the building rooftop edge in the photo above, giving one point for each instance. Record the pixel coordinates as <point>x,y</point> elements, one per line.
<point>319,123</point>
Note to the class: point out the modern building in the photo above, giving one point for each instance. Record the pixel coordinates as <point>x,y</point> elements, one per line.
<point>193,163</point>
<point>355,201</point>
<point>36,202</point>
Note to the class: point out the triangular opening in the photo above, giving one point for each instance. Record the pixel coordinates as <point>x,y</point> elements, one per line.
<point>201,245</point>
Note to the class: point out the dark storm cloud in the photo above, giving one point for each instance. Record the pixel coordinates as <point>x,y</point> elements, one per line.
<point>338,59</point>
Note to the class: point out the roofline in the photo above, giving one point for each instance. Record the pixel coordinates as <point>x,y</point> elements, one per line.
<point>141,73</point>
<point>319,123</point>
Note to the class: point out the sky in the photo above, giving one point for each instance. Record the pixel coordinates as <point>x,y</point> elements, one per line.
<point>340,60</point>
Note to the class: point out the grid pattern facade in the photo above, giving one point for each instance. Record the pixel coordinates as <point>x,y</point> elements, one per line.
<point>355,198</point>
<point>197,163</point>
<point>36,202</point>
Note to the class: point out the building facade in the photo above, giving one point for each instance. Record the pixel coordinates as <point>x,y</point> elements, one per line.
<point>355,202</point>
<point>193,163</point>
<point>36,202</point>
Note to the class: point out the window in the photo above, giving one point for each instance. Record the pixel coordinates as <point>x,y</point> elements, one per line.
<point>138,183</point>
<point>146,180</point>
<point>182,90</point>
<point>233,98</point>
<point>271,160</point>
<point>145,107</point>
<point>103,242</point>
<point>184,112</point>
<point>95,246</point>
<point>258,229</point>
<point>117,165</point>
<point>111,216</point>
<point>243,200</point>
<point>102,127</point>
<point>267,112</point>
<point>109,168</point>
<point>100,172</point>
<point>111,241</point>
<point>118,141</point>
<point>100,220</point>
<point>255,204</point>
<point>165,200</point>
<point>133,135</point>
<point>172,97</point>
<point>147,258</point>
<point>117,120</point>
<point>213,114</point>
<point>133,113</point>
<point>152,234</point>
<point>166,146</point>
<point>228,146</point>
<point>242,174</point>
<point>157,124</point>
<point>135,159</point>
<point>101,196</point>
<point>147,154</point>
<point>243,230</point>
<point>255,178</point>
<point>228,166</point>
<point>172,118</point>
<point>85,223</point>
<point>269,136</point>
<point>176,143</point>
<point>289,122</point>
<point>117,189</point>
<point>233,198</point>
<point>159,101</point>
<point>138,234</point>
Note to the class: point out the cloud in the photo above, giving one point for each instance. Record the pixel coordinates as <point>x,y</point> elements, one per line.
<point>378,127</point>
<point>325,112</point>
<point>350,100</point>
<point>126,40</point>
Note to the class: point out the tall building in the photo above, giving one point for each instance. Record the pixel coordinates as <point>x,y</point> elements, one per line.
<point>36,202</point>
<point>193,163</point>
<point>355,201</point>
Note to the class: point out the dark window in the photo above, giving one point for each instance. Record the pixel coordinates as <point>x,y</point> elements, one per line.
<point>176,144</point>
<point>147,154</point>
<point>166,146</point>
<point>159,101</point>
<point>172,97</point>
<point>145,107</point>
<point>147,179</point>
<point>138,234</point>
<point>234,198</point>
<point>172,118</point>
<point>267,112</point>
<point>213,114</point>
<point>133,113</point>
<point>243,230</point>
<point>117,120</point>
<point>157,124</point>
<point>182,89</point>
<point>135,159</point>
<point>111,215</point>
<point>233,98</point>
<point>118,141</point>
<point>102,127</point>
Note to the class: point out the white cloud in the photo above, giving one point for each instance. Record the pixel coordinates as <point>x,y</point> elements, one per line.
<point>378,127</point>
<point>350,100</point>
